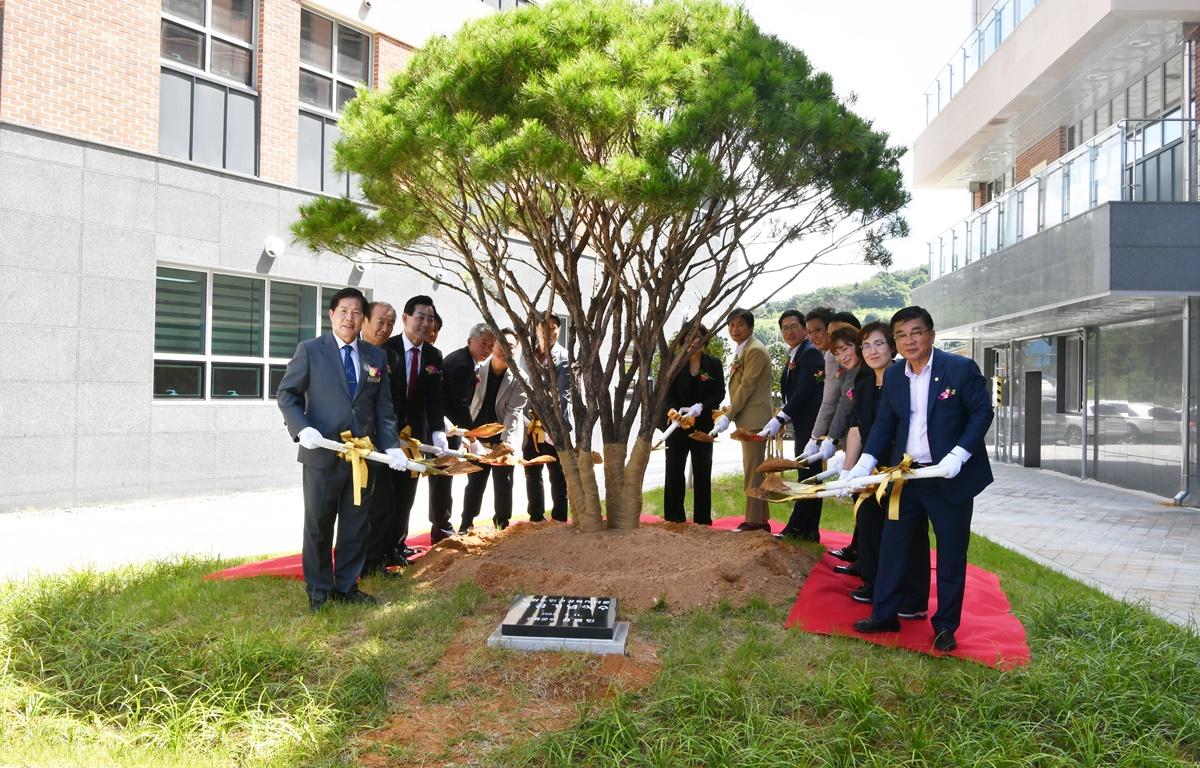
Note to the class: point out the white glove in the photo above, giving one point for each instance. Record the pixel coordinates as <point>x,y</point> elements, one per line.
<point>866,464</point>
<point>438,440</point>
<point>826,448</point>
<point>695,411</point>
<point>953,462</point>
<point>771,429</point>
<point>836,464</point>
<point>810,447</point>
<point>477,448</point>
<point>308,437</point>
<point>721,424</point>
<point>398,460</point>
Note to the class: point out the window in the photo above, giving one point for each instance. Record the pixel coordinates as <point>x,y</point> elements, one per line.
<point>334,61</point>
<point>207,109</point>
<point>506,5</point>
<point>229,337</point>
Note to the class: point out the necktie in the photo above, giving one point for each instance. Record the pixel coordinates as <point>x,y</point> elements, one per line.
<point>413,367</point>
<point>348,365</point>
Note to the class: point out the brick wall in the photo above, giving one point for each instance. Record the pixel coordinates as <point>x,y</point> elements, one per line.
<point>390,57</point>
<point>84,68</point>
<point>1051,147</point>
<point>279,87</point>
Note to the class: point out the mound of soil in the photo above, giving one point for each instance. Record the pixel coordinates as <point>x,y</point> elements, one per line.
<point>677,565</point>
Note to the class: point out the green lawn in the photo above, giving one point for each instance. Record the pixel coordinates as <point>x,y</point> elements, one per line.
<point>152,666</point>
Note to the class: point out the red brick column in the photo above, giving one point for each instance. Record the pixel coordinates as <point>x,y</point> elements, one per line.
<point>279,89</point>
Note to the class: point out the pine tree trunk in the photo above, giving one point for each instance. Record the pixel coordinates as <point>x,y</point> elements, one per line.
<point>623,483</point>
<point>583,495</point>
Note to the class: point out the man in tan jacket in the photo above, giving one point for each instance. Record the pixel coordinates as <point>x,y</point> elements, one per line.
<point>750,407</point>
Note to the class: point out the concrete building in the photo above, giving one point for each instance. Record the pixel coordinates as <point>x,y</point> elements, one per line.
<point>1075,278</point>
<point>149,152</point>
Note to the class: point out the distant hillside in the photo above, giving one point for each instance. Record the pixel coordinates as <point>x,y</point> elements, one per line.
<point>878,295</point>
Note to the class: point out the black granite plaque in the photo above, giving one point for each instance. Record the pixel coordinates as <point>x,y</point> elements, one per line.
<point>561,616</point>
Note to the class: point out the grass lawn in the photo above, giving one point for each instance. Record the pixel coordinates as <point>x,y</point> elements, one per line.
<point>152,666</point>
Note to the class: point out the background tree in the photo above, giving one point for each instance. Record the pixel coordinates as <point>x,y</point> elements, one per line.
<point>653,157</point>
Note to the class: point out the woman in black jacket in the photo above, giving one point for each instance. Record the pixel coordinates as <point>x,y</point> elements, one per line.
<point>700,382</point>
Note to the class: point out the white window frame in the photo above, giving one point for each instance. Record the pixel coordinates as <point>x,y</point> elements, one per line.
<point>333,75</point>
<point>209,33</point>
<point>265,360</point>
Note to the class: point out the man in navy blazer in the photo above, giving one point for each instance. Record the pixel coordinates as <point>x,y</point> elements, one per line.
<point>936,408</point>
<point>334,383</point>
<point>801,385</point>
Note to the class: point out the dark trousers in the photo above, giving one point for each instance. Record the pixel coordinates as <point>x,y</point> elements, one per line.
<point>389,517</point>
<point>441,499</point>
<point>534,489</point>
<point>502,490</point>
<point>329,497</point>
<point>921,503</point>
<point>915,585</point>
<point>806,513</point>
<point>679,447</point>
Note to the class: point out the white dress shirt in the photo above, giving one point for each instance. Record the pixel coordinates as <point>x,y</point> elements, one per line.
<point>918,412</point>
<point>408,348</point>
<point>354,358</point>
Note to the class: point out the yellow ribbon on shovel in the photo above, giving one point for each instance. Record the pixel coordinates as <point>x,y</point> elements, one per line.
<point>895,478</point>
<point>355,450</point>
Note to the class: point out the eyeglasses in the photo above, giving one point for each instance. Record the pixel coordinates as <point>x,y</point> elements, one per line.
<point>915,335</point>
<point>881,344</point>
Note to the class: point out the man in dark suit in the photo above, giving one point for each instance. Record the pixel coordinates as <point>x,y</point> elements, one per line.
<point>334,383</point>
<point>416,387</point>
<point>935,408</point>
<point>801,386</point>
<point>458,385</point>
<point>698,389</point>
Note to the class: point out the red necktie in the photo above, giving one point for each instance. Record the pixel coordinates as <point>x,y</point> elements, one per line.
<point>413,367</point>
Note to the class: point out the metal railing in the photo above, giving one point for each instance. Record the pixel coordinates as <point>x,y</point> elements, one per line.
<point>979,46</point>
<point>1131,160</point>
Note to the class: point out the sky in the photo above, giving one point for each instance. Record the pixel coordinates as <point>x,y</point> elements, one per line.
<point>886,52</point>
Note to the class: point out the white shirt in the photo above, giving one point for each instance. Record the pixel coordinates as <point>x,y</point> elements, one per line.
<point>353,354</point>
<point>792,352</point>
<point>408,348</point>
<point>918,412</point>
<point>738,349</point>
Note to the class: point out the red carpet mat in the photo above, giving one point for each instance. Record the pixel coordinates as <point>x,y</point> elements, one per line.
<point>289,566</point>
<point>990,634</point>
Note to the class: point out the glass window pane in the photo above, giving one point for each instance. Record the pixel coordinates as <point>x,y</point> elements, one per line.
<point>179,311</point>
<point>174,115</point>
<point>1052,211</point>
<point>316,40</point>
<point>334,183</point>
<point>1079,185</point>
<point>231,61</point>
<point>1118,108</point>
<point>234,18</point>
<point>239,137</point>
<point>237,316</point>
<point>352,55</point>
<point>1172,128</point>
<point>1174,92</point>
<point>192,10</point>
<point>315,90</point>
<point>326,295</point>
<point>182,45</point>
<point>1149,189</point>
<point>309,162</point>
<point>1154,93</point>
<point>177,379</point>
<point>344,93</point>
<point>236,380</point>
<point>1137,100</point>
<point>293,316</point>
<point>274,376</point>
<point>1108,170</point>
<point>208,125</point>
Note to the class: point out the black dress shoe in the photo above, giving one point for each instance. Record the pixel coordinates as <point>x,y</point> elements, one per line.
<point>441,535</point>
<point>396,561</point>
<point>746,527</point>
<point>844,553</point>
<point>408,552</point>
<point>912,613</point>
<point>811,536</point>
<point>944,641</point>
<point>499,524</point>
<point>871,626</point>
<point>316,602</point>
<point>788,534</point>
<point>862,595</point>
<point>538,519</point>
<point>355,596</point>
<point>849,570</point>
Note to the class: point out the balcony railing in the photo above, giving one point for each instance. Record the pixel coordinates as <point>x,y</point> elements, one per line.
<point>979,46</point>
<point>1132,160</point>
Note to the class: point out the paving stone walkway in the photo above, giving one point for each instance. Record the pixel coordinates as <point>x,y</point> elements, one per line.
<point>1128,544</point>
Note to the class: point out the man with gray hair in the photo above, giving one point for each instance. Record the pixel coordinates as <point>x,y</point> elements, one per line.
<point>458,387</point>
<point>381,319</point>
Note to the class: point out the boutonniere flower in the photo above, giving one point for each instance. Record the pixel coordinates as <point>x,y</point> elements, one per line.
<point>840,373</point>
<point>947,393</point>
<point>432,370</point>
<point>704,376</point>
<point>737,363</point>
<point>792,364</point>
<point>819,376</point>
<point>372,371</point>
<point>850,393</point>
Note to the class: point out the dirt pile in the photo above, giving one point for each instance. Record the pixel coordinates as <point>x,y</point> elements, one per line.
<point>685,566</point>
